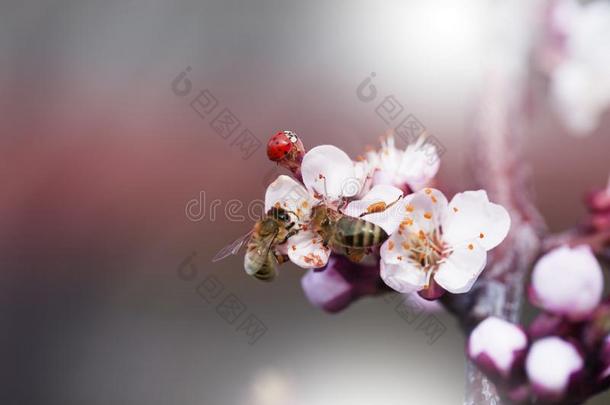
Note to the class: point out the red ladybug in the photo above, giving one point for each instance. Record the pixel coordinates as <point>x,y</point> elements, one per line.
<point>282,144</point>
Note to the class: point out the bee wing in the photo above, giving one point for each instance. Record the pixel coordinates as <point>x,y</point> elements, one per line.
<point>232,248</point>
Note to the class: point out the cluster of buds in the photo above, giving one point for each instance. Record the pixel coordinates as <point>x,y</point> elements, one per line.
<point>563,356</point>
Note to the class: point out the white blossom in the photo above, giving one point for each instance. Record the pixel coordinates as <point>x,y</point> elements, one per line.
<point>329,177</point>
<point>447,241</point>
<point>414,167</point>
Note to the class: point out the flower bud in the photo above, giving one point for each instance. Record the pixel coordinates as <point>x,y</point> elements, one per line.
<point>567,281</point>
<point>340,283</point>
<point>497,347</point>
<point>598,200</point>
<point>552,365</point>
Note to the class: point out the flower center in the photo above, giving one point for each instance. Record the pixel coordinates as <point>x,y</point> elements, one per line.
<point>426,250</point>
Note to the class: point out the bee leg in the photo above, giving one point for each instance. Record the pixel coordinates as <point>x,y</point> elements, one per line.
<point>355,255</point>
<point>281,258</point>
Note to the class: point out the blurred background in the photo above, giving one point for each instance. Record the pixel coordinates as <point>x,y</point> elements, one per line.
<point>99,157</point>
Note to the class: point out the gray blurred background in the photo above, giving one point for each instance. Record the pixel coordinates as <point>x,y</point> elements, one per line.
<point>99,157</point>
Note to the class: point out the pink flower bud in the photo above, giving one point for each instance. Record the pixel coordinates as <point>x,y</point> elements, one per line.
<point>340,283</point>
<point>567,281</point>
<point>327,289</point>
<point>497,346</point>
<point>551,364</point>
<point>598,200</point>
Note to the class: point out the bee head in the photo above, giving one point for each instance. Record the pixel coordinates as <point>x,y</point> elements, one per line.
<point>279,214</point>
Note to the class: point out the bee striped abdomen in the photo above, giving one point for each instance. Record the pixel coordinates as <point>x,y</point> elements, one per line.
<point>358,233</point>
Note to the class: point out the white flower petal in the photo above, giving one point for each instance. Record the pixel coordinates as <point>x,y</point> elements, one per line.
<point>328,171</point>
<point>403,277</point>
<point>499,341</point>
<point>414,167</point>
<point>550,363</point>
<point>461,269</point>
<point>382,193</point>
<point>305,249</point>
<point>383,177</point>
<point>364,172</point>
<point>472,216</point>
<point>426,208</point>
<point>568,282</point>
<point>289,194</point>
<point>419,164</point>
<point>389,218</point>
<point>392,251</point>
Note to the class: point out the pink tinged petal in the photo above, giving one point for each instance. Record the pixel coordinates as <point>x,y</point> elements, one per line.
<point>550,364</point>
<point>461,269</point>
<point>495,345</point>
<point>404,277</point>
<point>329,171</point>
<point>305,249</point>
<point>327,289</point>
<point>419,164</point>
<point>390,218</point>
<point>289,194</point>
<point>472,217</point>
<point>426,208</point>
<point>568,281</point>
<point>381,177</point>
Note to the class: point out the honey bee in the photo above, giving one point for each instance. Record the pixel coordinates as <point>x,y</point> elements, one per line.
<point>354,236</point>
<point>261,259</point>
<point>339,231</point>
